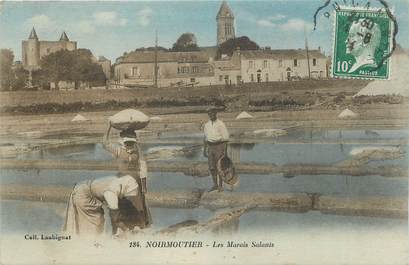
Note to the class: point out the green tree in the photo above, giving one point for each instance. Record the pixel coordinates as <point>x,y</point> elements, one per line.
<point>72,66</point>
<point>6,70</point>
<point>85,70</point>
<point>19,81</point>
<point>229,46</point>
<point>40,79</point>
<point>58,66</point>
<point>185,43</point>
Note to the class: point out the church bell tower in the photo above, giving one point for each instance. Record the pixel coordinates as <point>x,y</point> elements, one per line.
<point>225,24</point>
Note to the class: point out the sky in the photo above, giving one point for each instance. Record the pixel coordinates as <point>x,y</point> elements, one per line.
<point>110,28</point>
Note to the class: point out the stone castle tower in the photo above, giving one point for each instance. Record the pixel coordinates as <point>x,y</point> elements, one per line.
<point>225,24</point>
<point>33,49</point>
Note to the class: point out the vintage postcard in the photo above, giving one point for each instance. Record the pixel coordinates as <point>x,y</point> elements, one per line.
<point>204,132</point>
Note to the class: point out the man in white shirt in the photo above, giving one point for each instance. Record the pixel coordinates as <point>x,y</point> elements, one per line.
<point>215,145</point>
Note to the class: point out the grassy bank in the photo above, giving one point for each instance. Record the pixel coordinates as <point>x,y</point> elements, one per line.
<point>277,95</point>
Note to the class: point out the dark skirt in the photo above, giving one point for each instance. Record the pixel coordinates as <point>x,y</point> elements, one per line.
<point>135,215</point>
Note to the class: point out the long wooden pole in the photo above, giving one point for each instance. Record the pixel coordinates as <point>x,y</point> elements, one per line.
<point>156,60</point>
<point>308,55</point>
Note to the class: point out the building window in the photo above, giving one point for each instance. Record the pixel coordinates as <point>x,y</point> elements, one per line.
<point>252,77</point>
<point>295,62</point>
<point>251,64</point>
<point>192,80</point>
<point>135,71</point>
<point>280,63</point>
<point>314,62</point>
<point>185,69</point>
<point>220,78</point>
<point>195,69</point>
<point>265,64</point>
<point>266,77</point>
<point>178,70</point>
<point>228,29</point>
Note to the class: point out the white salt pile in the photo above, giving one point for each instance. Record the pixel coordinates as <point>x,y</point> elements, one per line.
<point>399,79</point>
<point>164,148</point>
<point>30,133</point>
<point>155,118</point>
<point>129,118</point>
<point>270,132</point>
<point>79,117</point>
<point>391,87</point>
<point>360,150</point>
<point>347,113</point>
<point>244,115</point>
<point>163,152</point>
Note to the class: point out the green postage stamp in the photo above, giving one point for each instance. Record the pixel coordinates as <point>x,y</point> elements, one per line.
<point>362,43</point>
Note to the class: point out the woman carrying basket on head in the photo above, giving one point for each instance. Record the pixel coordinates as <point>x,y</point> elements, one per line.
<point>131,162</point>
<point>124,194</point>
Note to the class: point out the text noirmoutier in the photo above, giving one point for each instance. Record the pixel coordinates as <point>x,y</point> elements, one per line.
<point>199,244</point>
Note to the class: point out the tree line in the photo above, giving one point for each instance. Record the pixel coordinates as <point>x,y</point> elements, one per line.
<point>11,78</point>
<point>78,66</point>
<point>187,43</point>
<point>75,66</point>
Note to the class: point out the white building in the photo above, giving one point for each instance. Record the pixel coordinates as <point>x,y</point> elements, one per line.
<point>280,65</point>
<point>198,69</point>
<point>173,69</point>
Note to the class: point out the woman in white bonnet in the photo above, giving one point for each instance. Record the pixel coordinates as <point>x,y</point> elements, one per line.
<point>130,160</point>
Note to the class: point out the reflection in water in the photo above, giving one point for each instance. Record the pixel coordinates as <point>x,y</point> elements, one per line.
<point>271,153</point>
<point>72,152</point>
<point>32,217</point>
<point>28,216</point>
<point>228,228</point>
<point>234,150</point>
<point>247,146</point>
<point>275,222</point>
<point>193,152</point>
<point>40,217</point>
<point>312,133</point>
<point>371,133</point>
